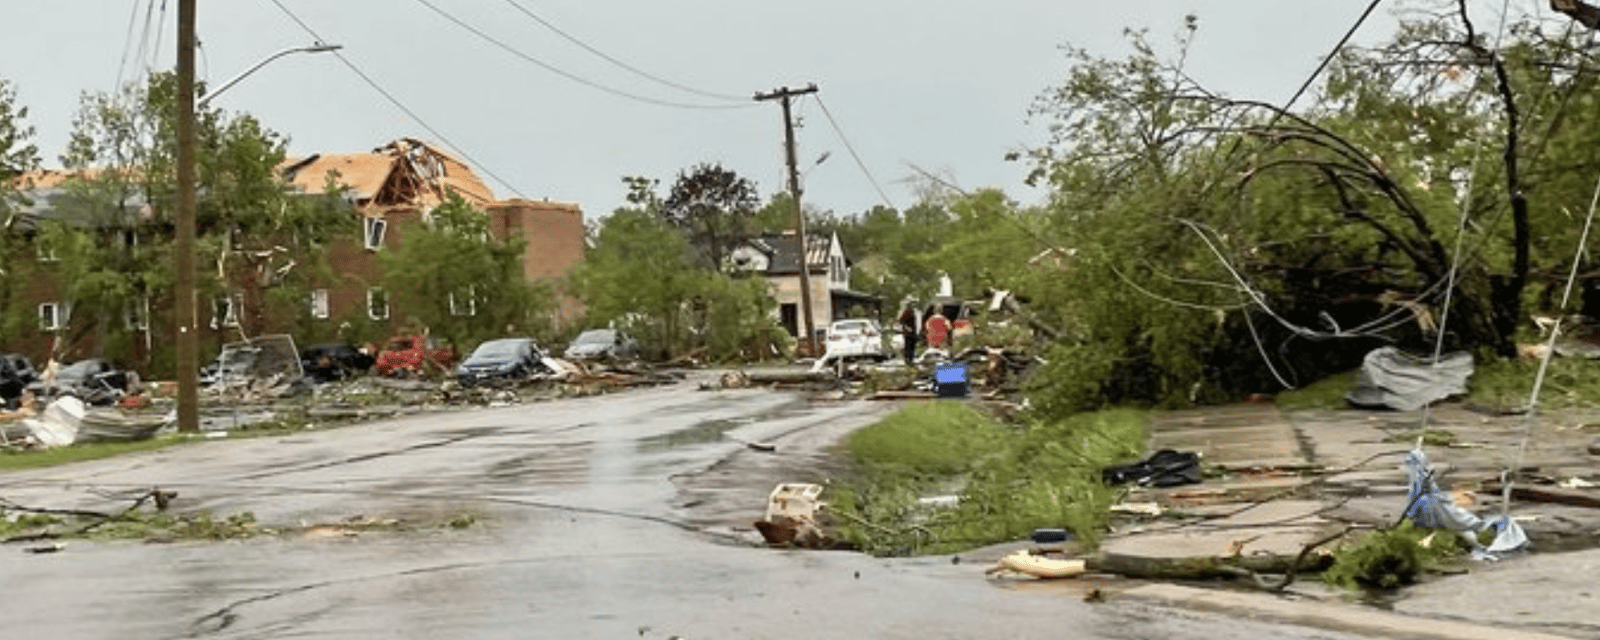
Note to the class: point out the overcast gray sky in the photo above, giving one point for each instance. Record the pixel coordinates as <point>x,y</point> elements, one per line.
<point>938,84</point>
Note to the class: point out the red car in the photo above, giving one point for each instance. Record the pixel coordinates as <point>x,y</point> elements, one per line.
<point>415,356</point>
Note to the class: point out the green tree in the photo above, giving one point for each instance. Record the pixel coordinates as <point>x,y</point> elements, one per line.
<point>715,207</point>
<point>642,275</point>
<point>451,276</point>
<point>18,156</point>
<point>113,233</point>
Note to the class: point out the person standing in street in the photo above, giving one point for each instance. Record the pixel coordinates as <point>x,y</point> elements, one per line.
<point>938,331</point>
<point>908,333</point>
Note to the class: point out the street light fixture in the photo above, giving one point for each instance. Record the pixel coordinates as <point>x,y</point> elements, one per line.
<point>313,48</point>
<point>183,288</point>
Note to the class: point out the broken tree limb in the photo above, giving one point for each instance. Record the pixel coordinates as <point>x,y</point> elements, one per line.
<point>1571,497</point>
<point>1583,13</point>
<point>161,498</point>
<point>1204,567</point>
<point>788,376</point>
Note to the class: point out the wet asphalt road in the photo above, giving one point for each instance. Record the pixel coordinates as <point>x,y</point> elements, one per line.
<point>620,516</point>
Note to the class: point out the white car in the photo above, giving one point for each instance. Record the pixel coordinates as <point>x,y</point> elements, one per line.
<point>853,338</point>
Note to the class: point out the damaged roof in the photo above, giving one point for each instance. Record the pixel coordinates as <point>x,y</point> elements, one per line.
<point>783,252</point>
<point>406,171</point>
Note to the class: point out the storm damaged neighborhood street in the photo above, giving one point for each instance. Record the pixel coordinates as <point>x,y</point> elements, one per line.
<point>609,516</point>
<point>370,319</point>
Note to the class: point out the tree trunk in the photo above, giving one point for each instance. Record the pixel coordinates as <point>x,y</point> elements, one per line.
<point>1203,567</point>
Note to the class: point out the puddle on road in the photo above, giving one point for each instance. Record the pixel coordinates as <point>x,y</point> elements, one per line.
<point>715,430</point>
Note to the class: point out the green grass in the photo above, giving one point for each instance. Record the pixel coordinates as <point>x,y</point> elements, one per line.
<point>18,460</point>
<point>1506,384</point>
<point>1009,480</point>
<point>1327,393</point>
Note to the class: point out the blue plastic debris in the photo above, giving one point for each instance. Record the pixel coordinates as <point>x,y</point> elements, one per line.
<point>950,380</point>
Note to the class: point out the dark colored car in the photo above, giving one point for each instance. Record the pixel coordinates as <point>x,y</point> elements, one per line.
<point>502,359</point>
<point>92,380</point>
<point>16,373</point>
<point>414,356</point>
<point>334,361</point>
<point>602,344</point>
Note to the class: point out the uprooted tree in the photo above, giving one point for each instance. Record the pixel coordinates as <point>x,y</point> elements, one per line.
<point>1223,245</point>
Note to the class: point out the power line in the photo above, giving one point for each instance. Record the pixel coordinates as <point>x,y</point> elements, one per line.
<point>127,44</point>
<point>851,148</point>
<point>624,65</point>
<point>569,75</point>
<point>1329,58</point>
<point>398,105</point>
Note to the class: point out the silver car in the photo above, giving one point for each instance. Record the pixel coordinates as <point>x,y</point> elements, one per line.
<point>602,344</point>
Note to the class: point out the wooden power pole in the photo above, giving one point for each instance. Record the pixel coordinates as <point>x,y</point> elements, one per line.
<point>784,95</point>
<point>183,290</point>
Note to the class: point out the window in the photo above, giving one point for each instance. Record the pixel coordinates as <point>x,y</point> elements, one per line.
<point>225,312</point>
<point>377,304</point>
<point>375,230</point>
<point>465,304</point>
<point>138,314</point>
<point>52,317</point>
<point>319,303</point>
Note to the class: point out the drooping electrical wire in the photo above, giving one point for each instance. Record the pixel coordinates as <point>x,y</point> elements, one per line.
<point>397,104</point>
<point>644,74</point>
<point>127,44</point>
<point>572,76</point>
<point>852,149</point>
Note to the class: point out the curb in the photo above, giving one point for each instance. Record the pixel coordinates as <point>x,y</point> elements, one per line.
<point>1322,615</point>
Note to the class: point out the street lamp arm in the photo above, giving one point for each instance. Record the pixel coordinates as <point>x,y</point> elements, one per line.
<point>315,48</point>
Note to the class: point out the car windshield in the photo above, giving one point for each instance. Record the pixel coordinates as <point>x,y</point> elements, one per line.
<point>596,336</point>
<point>503,348</point>
<point>857,326</point>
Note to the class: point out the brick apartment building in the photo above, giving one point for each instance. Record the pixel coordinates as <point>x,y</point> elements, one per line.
<point>391,190</point>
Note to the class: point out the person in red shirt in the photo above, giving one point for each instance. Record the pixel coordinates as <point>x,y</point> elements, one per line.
<point>937,331</point>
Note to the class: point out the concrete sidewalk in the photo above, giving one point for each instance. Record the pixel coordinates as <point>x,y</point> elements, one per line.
<point>1277,481</point>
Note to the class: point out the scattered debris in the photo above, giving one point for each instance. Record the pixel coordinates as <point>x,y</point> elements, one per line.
<point>791,516</point>
<point>1430,507</point>
<point>1164,468</point>
<point>1138,508</point>
<point>1025,562</point>
<point>1567,496</point>
<point>1391,378</point>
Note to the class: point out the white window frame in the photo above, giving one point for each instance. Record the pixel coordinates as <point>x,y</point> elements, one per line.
<point>375,229</point>
<point>52,316</point>
<point>319,303</point>
<point>471,305</point>
<point>137,316</point>
<point>225,311</point>
<point>46,253</point>
<point>375,310</point>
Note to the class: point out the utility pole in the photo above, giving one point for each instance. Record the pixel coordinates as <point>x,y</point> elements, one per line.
<point>784,94</point>
<point>183,291</point>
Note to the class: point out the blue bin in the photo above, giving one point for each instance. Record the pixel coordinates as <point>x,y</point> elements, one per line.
<point>950,380</point>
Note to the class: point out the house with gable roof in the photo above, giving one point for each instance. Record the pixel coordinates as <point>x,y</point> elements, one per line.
<point>776,257</point>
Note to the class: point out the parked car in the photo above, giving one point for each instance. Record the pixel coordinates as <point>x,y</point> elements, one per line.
<point>502,359</point>
<point>856,338</point>
<point>16,373</point>
<point>602,344</point>
<point>93,380</point>
<point>414,355</point>
<point>334,361</point>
